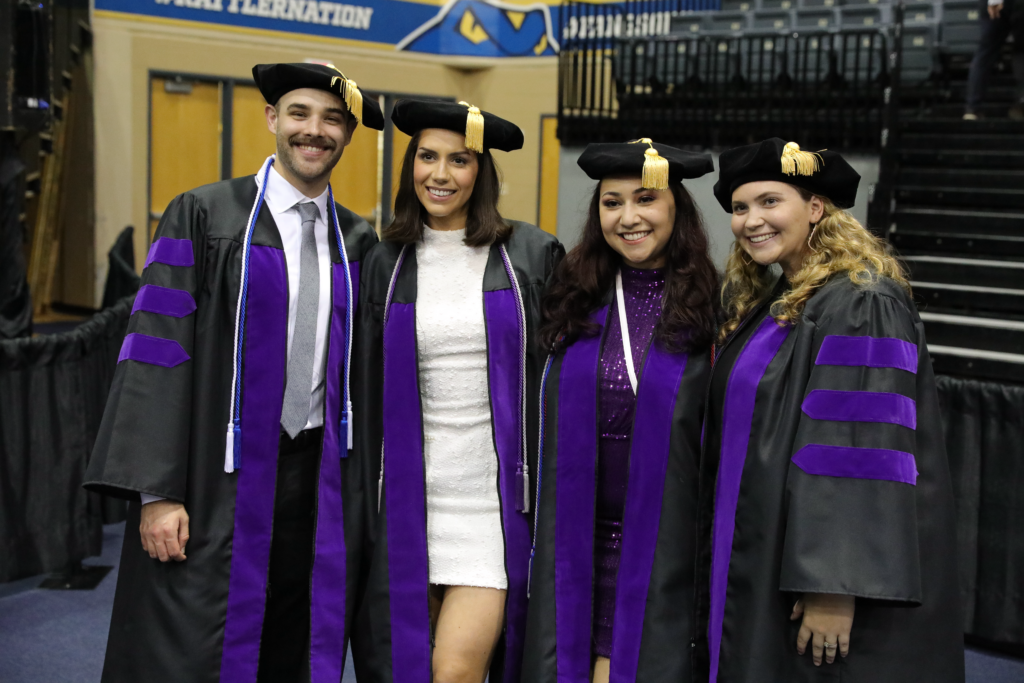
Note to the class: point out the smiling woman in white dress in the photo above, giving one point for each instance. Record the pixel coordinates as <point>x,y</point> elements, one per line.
<point>449,304</point>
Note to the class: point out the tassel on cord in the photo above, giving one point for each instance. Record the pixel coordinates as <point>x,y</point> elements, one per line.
<point>655,174</point>
<point>349,91</point>
<point>795,162</point>
<point>474,128</point>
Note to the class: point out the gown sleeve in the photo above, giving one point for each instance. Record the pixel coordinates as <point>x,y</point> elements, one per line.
<point>143,441</point>
<point>852,516</point>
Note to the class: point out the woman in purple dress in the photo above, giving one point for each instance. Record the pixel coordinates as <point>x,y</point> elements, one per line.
<point>629,319</point>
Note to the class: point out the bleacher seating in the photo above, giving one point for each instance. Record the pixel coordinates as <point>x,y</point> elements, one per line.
<point>930,28</point>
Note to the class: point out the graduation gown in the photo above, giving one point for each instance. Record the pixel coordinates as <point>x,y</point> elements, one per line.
<point>654,589</point>
<point>392,642</point>
<point>163,433</point>
<point>825,471</point>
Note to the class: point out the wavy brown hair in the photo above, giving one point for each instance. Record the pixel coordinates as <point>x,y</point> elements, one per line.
<point>582,280</point>
<point>839,244</point>
<point>484,225</point>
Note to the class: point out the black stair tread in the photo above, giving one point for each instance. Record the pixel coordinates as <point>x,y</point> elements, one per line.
<point>975,141</point>
<point>946,361</point>
<point>988,222</point>
<point>949,158</point>
<point>960,189</point>
<point>909,242</point>
<point>974,332</point>
<point>952,270</point>
<point>986,178</point>
<point>944,298</point>
<point>950,124</point>
<point>982,198</point>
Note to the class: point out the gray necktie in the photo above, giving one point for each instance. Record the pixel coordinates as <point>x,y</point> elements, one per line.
<point>295,412</point>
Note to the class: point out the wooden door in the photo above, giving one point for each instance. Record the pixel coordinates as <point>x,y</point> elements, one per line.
<point>185,141</point>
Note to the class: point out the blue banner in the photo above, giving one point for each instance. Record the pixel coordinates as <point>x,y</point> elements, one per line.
<point>480,28</point>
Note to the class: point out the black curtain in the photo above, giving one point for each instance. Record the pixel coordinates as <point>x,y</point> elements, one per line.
<point>122,279</point>
<point>53,389</point>
<point>984,427</point>
<point>15,303</point>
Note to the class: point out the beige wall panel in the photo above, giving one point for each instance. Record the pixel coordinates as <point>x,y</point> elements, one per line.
<point>550,155</point>
<point>399,143</point>
<point>251,140</point>
<point>185,141</point>
<point>355,177</point>
<point>518,89</point>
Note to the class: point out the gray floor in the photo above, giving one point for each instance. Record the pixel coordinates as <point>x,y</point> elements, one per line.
<point>60,636</point>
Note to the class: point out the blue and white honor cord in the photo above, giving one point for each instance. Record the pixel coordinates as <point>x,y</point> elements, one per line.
<point>233,438</point>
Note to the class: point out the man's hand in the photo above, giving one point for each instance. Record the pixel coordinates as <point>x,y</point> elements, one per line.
<point>827,619</point>
<point>994,10</point>
<point>164,530</point>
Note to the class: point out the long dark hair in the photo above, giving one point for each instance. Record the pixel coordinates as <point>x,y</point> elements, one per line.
<point>484,225</point>
<point>583,278</point>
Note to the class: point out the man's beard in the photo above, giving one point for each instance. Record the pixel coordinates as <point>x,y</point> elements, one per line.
<point>305,170</point>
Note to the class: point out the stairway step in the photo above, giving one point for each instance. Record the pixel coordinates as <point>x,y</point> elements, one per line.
<point>989,110</point>
<point>951,158</point>
<point>978,141</point>
<point>959,221</point>
<point>961,177</point>
<point>941,297</point>
<point>944,244</point>
<point>969,332</point>
<point>960,196</point>
<point>979,272</point>
<point>951,360</point>
<point>956,125</point>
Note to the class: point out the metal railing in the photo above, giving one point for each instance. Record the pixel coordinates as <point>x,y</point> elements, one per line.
<point>823,88</point>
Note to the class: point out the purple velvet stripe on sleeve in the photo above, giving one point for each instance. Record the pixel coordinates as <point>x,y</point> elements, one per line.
<point>575,494</point>
<point>737,417</point>
<point>861,406</point>
<point>648,464</point>
<point>262,388</point>
<point>176,303</point>
<point>503,355</point>
<point>143,348</point>
<point>404,478</point>
<point>872,352</point>
<point>329,577</point>
<point>171,252</point>
<point>857,463</point>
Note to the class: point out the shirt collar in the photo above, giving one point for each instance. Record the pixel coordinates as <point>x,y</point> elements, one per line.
<point>282,195</point>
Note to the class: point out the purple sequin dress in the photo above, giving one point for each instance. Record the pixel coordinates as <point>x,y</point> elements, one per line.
<point>643,290</point>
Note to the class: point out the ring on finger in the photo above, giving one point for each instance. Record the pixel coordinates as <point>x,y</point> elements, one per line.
<point>831,646</point>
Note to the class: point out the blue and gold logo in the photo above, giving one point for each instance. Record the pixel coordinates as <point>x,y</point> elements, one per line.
<point>486,28</point>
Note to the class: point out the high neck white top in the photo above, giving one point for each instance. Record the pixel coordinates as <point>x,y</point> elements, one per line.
<point>465,544</point>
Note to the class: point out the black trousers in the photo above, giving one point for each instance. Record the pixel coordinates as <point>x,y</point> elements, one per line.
<point>284,645</point>
<point>994,33</point>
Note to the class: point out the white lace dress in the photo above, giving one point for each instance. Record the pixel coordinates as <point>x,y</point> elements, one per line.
<point>465,545</point>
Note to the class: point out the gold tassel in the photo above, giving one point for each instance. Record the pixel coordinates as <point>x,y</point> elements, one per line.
<point>655,173</point>
<point>349,91</point>
<point>354,99</point>
<point>795,162</point>
<point>474,128</point>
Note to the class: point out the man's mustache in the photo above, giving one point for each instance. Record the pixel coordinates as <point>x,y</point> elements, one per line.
<point>326,143</point>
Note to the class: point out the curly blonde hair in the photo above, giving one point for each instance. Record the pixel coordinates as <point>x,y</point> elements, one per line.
<point>839,243</point>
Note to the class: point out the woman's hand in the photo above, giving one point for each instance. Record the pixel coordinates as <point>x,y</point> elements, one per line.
<point>827,622</point>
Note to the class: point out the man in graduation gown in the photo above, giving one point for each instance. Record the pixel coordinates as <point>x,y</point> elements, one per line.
<point>227,426</point>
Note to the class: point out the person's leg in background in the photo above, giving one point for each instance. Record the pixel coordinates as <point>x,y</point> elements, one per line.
<point>995,27</point>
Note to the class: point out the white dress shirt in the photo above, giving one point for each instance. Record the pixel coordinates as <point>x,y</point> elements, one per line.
<point>281,198</point>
